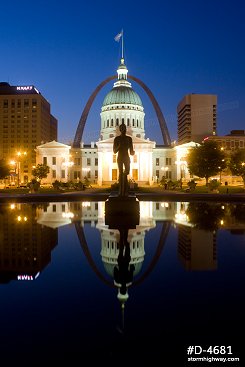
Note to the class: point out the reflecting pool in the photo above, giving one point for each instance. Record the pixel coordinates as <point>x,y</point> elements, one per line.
<point>76,291</point>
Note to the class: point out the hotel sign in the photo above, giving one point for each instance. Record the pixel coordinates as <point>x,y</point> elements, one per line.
<point>27,88</point>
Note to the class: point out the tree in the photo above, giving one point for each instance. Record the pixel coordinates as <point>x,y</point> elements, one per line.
<point>40,171</point>
<point>237,163</point>
<point>4,169</point>
<point>206,160</point>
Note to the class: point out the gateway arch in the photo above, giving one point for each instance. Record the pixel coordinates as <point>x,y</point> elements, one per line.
<point>84,116</point>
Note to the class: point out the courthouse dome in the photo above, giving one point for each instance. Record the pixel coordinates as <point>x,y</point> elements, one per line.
<point>122,95</point>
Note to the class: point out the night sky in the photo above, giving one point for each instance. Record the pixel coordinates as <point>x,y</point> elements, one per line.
<point>66,48</point>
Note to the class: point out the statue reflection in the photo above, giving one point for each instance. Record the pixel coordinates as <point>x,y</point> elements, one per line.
<point>123,272</point>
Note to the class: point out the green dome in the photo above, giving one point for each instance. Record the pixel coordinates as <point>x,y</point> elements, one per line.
<point>120,95</point>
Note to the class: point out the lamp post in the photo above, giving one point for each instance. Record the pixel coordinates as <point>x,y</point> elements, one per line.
<point>19,155</point>
<point>14,164</point>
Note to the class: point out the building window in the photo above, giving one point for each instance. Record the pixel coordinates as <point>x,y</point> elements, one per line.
<point>88,161</point>
<point>157,161</point>
<point>127,122</point>
<point>169,175</point>
<point>107,123</point>
<point>53,161</point>
<point>63,173</point>
<point>168,161</point>
<point>122,121</point>
<point>157,206</point>
<point>54,208</point>
<point>54,173</point>
<point>77,175</point>
<point>89,174</point>
<point>157,173</point>
<point>77,161</point>
<point>111,122</point>
<point>114,158</point>
<point>45,161</point>
<point>96,173</point>
<point>96,161</point>
<point>117,122</point>
<point>114,174</point>
<point>63,208</point>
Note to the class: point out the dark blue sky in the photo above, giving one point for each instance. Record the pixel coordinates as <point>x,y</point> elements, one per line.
<point>66,48</point>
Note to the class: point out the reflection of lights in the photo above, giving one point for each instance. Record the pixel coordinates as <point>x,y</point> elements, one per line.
<point>86,204</point>
<point>68,215</point>
<point>12,206</point>
<point>181,217</point>
<point>222,207</point>
<point>19,218</point>
<point>164,205</point>
<point>222,222</point>
<point>12,163</point>
<point>37,275</point>
<point>86,169</point>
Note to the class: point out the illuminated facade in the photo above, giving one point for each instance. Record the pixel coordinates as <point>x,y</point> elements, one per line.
<point>25,122</point>
<point>98,163</point>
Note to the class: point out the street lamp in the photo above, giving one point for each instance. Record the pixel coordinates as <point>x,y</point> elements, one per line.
<point>19,155</point>
<point>14,164</point>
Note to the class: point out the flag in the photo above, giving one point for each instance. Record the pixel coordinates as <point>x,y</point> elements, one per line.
<point>118,36</point>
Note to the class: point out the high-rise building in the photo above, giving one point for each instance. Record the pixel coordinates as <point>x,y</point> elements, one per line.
<point>196,117</point>
<point>25,122</point>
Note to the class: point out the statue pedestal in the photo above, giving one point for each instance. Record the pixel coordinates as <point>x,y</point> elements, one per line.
<point>122,211</point>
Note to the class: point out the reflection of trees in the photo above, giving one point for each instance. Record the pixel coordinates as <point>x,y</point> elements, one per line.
<point>205,216</point>
<point>237,211</point>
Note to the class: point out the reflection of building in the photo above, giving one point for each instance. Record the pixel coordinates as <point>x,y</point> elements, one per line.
<point>55,215</point>
<point>25,245</point>
<point>196,117</point>
<point>25,122</point>
<point>196,248</point>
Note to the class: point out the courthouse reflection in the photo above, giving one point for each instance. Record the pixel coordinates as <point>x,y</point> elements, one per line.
<point>29,233</point>
<point>25,246</point>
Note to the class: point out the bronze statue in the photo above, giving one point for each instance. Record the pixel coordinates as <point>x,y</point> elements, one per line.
<point>122,145</point>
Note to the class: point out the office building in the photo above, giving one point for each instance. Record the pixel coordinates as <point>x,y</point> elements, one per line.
<point>196,117</point>
<point>25,122</point>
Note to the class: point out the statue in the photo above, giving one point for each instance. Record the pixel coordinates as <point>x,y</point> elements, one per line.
<point>122,145</point>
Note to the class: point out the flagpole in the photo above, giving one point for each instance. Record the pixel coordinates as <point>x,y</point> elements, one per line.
<point>122,43</point>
